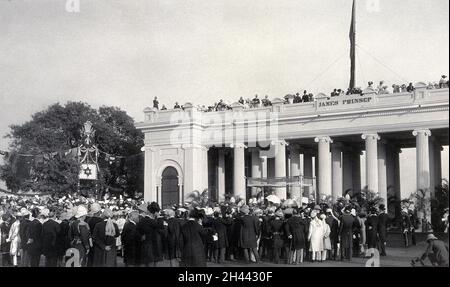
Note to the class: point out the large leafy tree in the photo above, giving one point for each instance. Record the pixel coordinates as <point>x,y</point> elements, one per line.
<point>43,144</point>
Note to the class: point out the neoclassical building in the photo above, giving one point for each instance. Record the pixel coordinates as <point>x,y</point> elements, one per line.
<point>296,149</point>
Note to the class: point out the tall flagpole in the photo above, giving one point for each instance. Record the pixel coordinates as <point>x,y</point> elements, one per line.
<point>352,36</point>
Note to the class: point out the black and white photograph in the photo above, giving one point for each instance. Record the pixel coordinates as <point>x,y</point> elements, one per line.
<point>243,134</point>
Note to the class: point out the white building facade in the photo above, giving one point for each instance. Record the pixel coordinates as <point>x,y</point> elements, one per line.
<point>297,149</point>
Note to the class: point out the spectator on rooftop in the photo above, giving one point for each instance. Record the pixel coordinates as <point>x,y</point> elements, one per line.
<point>297,98</point>
<point>396,88</point>
<point>334,93</point>
<point>163,108</point>
<point>256,102</point>
<point>156,103</point>
<point>443,83</point>
<point>241,101</point>
<point>305,97</point>
<point>266,102</point>
<point>403,88</point>
<point>177,106</point>
<point>410,88</point>
<point>380,86</point>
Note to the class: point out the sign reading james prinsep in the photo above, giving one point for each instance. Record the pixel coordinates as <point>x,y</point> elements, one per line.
<point>344,102</point>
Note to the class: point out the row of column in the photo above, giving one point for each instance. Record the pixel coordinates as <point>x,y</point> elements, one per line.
<point>338,168</point>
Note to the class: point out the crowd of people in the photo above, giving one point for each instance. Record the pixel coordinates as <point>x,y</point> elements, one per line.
<point>186,235</point>
<point>295,98</point>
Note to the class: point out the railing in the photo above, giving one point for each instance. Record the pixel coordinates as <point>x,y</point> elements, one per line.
<point>323,104</point>
<point>281,181</point>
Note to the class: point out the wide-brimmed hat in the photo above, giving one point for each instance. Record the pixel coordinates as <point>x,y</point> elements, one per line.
<point>431,237</point>
<point>81,211</point>
<point>245,209</point>
<point>95,207</point>
<point>24,211</point>
<point>45,212</point>
<point>279,213</point>
<point>288,211</point>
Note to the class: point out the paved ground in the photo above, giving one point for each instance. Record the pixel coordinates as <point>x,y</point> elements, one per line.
<point>397,257</point>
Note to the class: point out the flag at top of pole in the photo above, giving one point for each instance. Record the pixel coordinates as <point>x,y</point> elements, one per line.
<point>352,36</point>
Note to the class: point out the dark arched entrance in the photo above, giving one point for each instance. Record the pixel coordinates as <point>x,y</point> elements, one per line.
<point>170,192</point>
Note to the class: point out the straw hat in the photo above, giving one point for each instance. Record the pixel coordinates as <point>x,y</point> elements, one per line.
<point>431,237</point>
<point>95,207</point>
<point>245,209</point>
<point>81,211</point>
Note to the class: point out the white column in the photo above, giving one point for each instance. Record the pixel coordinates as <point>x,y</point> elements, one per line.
<point>149,175</point>
<point>347,181</point>
<point>438,163</point>
<point>263,166</point>
<point>239,186</point>
<point>294,156</point>
<point>206,168</point>
<point>280,166</point>
<point>324,165</point>
<point>398,193</point>
<point>195,168</point>
<point>423,166</point>
<point>382,180</point>
<point>221,176</point>
<point>308,168</point>
<point>371,161</point>
<point>256,168</point>
<point>432,153</point>
<point>337,173</point>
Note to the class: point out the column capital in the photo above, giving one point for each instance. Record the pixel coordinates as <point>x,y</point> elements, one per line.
<point>373,136</point>
<point>188,146</point>
<point>425,132</point>
<point>148,148</point>
<point>238,145</point>
<point>323,139</point>
<point>279,142</point>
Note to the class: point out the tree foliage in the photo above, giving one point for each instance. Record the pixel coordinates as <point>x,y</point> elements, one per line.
<point>43,143</point>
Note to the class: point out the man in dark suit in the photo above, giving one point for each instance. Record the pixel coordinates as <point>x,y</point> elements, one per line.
<point>95,212</point>
<point>34,243</point>
<point>147,227</point>
<point>305,97</point>
<point>346,232</point>
<point>249,234</point>
<point>130,238</point>
<point>50,231</point>
<point>23,234</point>
<point>334,232</point>
<point>382,229</point>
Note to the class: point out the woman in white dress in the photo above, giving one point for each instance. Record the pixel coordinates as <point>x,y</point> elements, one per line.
<point>326,237</point>
<point>14,238</point>
<point>315,237</point>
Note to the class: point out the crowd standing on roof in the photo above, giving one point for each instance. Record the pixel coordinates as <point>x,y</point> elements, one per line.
<point>192,234</point>
<point>305,97</point>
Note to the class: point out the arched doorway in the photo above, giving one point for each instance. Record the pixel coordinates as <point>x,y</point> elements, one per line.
<point>170,192</point>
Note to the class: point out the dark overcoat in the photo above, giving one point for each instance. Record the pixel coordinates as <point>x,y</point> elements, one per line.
<point>296,227</point>
<point>103,257</point>
<point>371,229</point>
<point>249,231</point>
<point>193,236</point>
<point>50,231</point>
<point>346,230</point>
<point>130,238</point>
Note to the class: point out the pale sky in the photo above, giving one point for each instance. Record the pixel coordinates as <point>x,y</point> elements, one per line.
<point>125,52</point>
